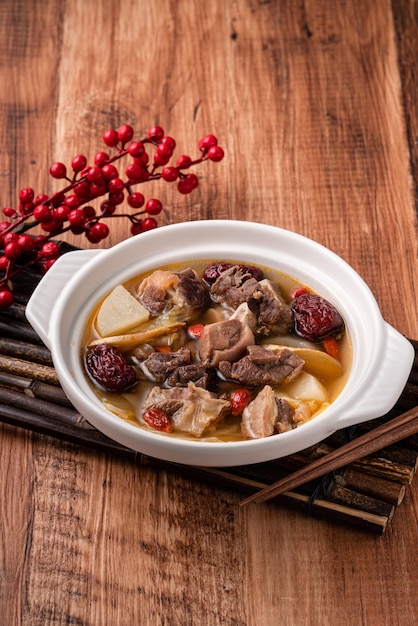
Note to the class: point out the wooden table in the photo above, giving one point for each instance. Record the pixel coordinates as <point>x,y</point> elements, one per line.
<point>316,105</point>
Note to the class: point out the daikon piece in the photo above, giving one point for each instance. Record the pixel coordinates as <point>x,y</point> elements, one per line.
<point>306,387</point>
<point>120,312</point>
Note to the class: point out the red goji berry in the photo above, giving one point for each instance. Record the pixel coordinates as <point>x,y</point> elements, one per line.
<point>331,347</point>
<point>157,419</point>
<point>195,331</point>
<point>239,400</point>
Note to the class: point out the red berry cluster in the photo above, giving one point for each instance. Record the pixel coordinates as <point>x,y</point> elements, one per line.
<point>71,208</point>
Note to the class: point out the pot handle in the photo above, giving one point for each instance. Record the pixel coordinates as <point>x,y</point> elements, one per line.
<point>389,383</point>
<point>42,301</point>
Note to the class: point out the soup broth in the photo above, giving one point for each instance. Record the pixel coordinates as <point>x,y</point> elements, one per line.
<point>213,356</point>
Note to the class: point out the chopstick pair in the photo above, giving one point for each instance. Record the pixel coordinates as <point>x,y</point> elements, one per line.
<point>389,433</point>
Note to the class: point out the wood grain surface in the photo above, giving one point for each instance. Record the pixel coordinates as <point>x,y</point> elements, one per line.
<point>315,103</point>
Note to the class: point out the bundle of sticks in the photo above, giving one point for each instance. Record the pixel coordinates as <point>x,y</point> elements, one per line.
<point>364,493</point>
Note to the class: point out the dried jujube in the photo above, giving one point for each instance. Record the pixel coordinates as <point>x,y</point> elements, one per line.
<point>315,318</point>
<point>214,270</point>
<point>107,366</point>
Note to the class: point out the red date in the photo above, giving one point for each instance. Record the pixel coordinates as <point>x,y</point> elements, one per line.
<point>315,317</point>
<point>109,369</point>
<point>255,272</point>
<point>213,271</point>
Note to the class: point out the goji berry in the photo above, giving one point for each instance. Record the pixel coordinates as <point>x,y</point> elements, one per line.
<point>157,419</point>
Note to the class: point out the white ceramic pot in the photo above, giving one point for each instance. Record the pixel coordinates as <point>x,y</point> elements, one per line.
<point>61,305</point>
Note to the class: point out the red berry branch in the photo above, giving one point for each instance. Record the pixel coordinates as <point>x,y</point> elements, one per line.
<point>70,208</point>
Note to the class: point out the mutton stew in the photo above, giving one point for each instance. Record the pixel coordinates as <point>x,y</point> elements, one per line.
<point>216,351</point>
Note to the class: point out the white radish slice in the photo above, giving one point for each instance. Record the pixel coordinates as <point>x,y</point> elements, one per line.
<point>306,387</point>
<point>120,312</point>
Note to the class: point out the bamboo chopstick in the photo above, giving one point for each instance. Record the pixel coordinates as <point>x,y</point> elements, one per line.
<point>397,429</point>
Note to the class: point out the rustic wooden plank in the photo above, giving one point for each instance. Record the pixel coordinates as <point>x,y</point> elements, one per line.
<point>16,519</point>
<point>405,16</point>
<point>28,53</point>
<point>103,569</point>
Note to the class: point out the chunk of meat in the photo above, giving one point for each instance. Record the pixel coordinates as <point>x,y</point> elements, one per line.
<point>289,416</point>
<point>233,286</point>
<point>191,292</point>
<point>273,314</point>
<point>284,420</point>
<point>161,364</point>
<point>141,352</point>
<point>263,367</point>
<point>163,290</point>
<point>191,408</point>
<point>194,372</point>
<point>213,270</point>
<point>155,291</point>
<point>259,417</point>
<point>227,340</point>
<point>167,400</point>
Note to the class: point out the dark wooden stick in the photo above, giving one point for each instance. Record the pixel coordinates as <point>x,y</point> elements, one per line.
<point>16,312</point>
<point>18,330</point>
<point>81,434</point>
<point>35,389</point>
<point>41,407</point>
<point>380,488</point>
<point>385,435</point>
<point>30,370</point>
<point>359,501</point>
<point>22,349</point>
